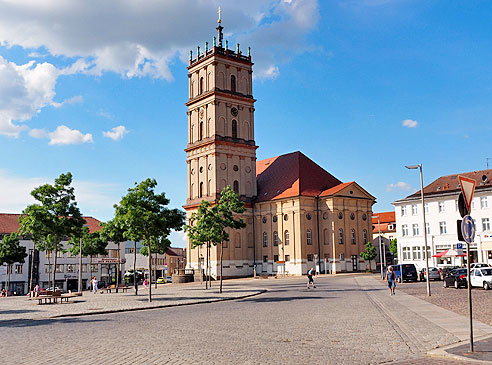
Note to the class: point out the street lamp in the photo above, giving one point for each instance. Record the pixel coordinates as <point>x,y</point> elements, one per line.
<point>426,251</point>
<point>380,250</point>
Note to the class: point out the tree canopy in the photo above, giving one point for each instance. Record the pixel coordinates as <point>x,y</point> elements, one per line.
<point>11,251</point>
<point>369,253</point>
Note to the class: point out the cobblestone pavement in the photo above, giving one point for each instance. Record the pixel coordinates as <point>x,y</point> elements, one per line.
<point>455,300</point>
<point>343,321</point>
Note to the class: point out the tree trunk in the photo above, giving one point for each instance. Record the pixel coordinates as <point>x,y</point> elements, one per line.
<point>150,270</point>
<point>118,268</point>
<point>155,269</point>
<point>221,255</point>
<point>9,269</point>
<point>135,267</point>
<point>90,268</point>
<point>32,268</point>
<point>206,271</point>
<point>54,268</point>
<point>209,266</point>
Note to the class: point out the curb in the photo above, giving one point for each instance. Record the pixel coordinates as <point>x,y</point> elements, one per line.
<point>262,291</point>
<point>441,352</point>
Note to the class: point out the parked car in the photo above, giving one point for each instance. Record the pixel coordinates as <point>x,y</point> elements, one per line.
<point>435,274</point>
<point>161,280</point>
<point>481,277</point>
<point>409,272</point>
<point>169,279</point>
<point>43,290</point>
<point>477,265</point>
<point>446,270</point>
<point>456,278</point>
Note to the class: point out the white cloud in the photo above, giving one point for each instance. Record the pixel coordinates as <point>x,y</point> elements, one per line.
<point>116,133</point>
<point>93,198</point>
<point>400,185</point>
<point>409,123</point>
<point>142,38</point>
<point>62,135</point>
<point>73,100</point>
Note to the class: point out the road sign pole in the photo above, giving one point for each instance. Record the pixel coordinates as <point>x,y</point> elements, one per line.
<point>469,295</point>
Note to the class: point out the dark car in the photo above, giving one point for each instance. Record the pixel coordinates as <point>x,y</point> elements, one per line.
<point>456,278</point>
<point>409,272</point>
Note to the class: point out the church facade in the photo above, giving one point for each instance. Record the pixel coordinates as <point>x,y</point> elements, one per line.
<point>297,214</point>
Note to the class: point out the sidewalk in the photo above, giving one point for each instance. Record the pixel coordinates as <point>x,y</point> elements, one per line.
<point>166,295</point>
<point>454,328</point>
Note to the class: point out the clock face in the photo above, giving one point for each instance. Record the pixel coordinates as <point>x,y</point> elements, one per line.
<point>234,112</point>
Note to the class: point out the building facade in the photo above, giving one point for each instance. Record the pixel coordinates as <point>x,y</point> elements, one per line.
<point>67,266</point>
<point>441,212</point>
<point>297,214</point>
<point>383,232</point>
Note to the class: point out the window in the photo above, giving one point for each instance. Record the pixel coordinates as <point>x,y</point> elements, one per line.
<point>234,128</point>
<point>403,210</point>
<point>406,253</point>
<point>200,132</point>
<point>84,267</point>
<point>415,228</point>
<point>416,253</point>
<point>129,250</point>
<point>427,228</point>
<point>441,207</point>
<point>310,257</point>
<point>201,85</point>
<point>236,187</point>
<point>426,207</point>
<point>18,269</point>
<point>308,237</point>
<point>428,252</point>
<point>414,209</point>
<point>364,236</point>
<point>485,224</point>
<point>340,236</point>
<point>483,202</point>
<point>265,258</point>
<point>286,238</point>
<point>287,258</point>
<point>275,238</point>
<point>265,239</point>
<point>70,267</point>
<point>353,236</point>
<point>404,230</point>
<point>200,190</point>
<point>233,83</point>
<point>442,227</point>
<point>60,268</point>
<point>275,258</point>
<point>47,268</point>
<point>94,267</point>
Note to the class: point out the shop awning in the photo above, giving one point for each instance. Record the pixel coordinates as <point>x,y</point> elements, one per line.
<point>449,253</point>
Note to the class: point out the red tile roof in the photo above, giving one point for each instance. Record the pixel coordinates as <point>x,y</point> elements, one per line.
<point>384,228</point>
<point>384,217</point>
<point>291,175</point>
<point>9,223</point>
<point>449,183</point>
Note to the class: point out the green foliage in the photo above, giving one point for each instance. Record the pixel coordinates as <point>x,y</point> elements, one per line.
<point>205,225</point>
<point>229,205</point>
<point>369,253</point>
<point>393,247</point>
<point>11,251</point>
<point>112,232</point>
<point>158,245</point>
<point>92,244</point>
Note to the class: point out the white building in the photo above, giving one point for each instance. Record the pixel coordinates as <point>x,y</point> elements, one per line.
<point>103,266</point>
<point>441,212</point>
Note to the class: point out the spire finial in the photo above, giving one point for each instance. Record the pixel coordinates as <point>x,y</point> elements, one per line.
<point>219,12</point>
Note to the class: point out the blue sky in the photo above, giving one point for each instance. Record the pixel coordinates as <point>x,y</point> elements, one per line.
<point>361,87</point>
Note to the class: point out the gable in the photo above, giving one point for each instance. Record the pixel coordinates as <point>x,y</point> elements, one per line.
<point>350,190</point>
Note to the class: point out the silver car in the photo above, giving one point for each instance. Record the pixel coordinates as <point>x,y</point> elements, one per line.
<point>434,274</point>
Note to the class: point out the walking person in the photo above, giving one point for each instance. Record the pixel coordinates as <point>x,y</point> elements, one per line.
<point>36,290</point>
<point>94,285</point>
<point>310,275</point>
<point>391,280</point>
<point>146,283</point>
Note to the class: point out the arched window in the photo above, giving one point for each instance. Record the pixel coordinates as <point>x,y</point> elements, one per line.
<point>275,238</point>
<point>236,187</point>
<point>308,237</point>
<point>265,239</point>
<point>353,236</point>
<point>326,236</point>
<point>201,86</point>
<point>200,192</point>
<point>234,128</point>
<point>200,132</point>
<point>233,83</point>
<point>340,236</point>
<point>364,234</point>
<point>238,240</point>
<point>286,238</point>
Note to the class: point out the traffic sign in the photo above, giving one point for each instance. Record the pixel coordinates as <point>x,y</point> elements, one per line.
<point>463,209</point>
<point>468,189</point>
<point>468,229</point>
<point>459,246</point>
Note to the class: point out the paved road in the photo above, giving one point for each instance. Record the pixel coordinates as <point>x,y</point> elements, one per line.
<point>339,322</point>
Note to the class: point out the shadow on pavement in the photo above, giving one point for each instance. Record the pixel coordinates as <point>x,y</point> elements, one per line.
<point>43,322</point>
<point>279,299</point>
<point>17,311</point>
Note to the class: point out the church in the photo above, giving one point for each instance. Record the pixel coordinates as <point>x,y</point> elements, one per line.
<point>297,214</point>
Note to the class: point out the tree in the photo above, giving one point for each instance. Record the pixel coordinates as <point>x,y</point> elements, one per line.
<point>393,247</point>
<point>159,246</point>
<point>57,216</point>
<point>145,216</point>
<point>92,245</point>
<point>11,252</point>
<point>369,254</point>
<point>113,232</point>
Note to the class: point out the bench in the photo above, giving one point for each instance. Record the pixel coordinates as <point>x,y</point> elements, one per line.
<point>108,289</point>
<point>53,297</point>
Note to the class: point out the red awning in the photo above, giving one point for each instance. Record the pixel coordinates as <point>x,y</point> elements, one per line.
<point>449,253</point>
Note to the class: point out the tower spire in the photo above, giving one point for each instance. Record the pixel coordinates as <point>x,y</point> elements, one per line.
<point>219,28</point>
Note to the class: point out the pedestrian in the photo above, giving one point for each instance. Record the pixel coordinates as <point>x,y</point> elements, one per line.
<point>391,280</point>
<point>310,275</point>
<point>36,290</point>
<point>4,294</point>
<point>146,284</point>
<point>94,285</point>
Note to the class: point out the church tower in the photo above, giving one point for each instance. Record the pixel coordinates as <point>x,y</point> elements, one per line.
<point>221,148</point>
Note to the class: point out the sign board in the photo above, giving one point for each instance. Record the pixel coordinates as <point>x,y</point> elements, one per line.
<point>165,269</point>
<point>459,246</point>
<point>468,189</point>
<point>463,209</point>
<point>280,262</point>
<point>106,260</point>
<point>468,229</point>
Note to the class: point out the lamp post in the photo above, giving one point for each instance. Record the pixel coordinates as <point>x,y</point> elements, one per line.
<point>426,251</point>
<point>380,249</point>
